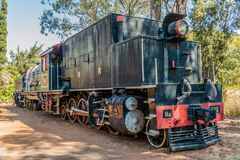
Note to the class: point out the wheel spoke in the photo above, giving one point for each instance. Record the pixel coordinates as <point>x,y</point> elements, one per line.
<point>71,104</point>
<point>82,106</point>
<point>63,112</point>
<point>112,130</point>
<point>156,141</point>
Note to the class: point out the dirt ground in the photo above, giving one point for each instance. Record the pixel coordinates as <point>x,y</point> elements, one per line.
<point>30,135</point>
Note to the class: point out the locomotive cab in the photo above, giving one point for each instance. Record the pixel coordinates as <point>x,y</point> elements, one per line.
<point>50,68</point>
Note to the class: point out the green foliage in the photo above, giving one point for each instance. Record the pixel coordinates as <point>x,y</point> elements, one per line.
<point>7,85</point>
<point>4,76</point>
<point>19,62</point>
<point>131,7</point>
<point>3,33</point>
<point>214,23</point>
<point>230,68</point>
<point>66,16</point>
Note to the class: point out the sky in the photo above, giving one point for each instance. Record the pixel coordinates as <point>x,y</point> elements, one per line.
<point>23,25</point>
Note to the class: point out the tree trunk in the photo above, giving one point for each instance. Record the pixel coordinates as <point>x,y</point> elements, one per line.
<point>156,9</point>
<point>180,6</point>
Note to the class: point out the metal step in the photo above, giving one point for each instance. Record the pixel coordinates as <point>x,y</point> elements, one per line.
<point>197,92</point>
<point>150,100</point>
<point>153,133</point>
<point>151,116</point>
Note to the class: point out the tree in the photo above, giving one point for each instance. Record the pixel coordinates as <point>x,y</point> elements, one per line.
<point>7,85</point>
<point>18,64</point>
<point>65,17</point>
<point>21,60</point>
<point>3,33</point>
<point>214,22</point>
<point>160,8</point>
<point>230,69</point>
<point>180,6</point>
<point>156,9</point>
<point>131,7</point>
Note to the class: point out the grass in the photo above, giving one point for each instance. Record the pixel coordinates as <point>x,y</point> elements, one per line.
<point>232,103</point>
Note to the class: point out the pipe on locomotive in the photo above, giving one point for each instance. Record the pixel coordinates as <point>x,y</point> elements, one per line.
<point>184,95</point>
<point>208,83</point>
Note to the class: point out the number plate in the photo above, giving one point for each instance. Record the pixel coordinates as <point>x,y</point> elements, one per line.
<point>167,113</point>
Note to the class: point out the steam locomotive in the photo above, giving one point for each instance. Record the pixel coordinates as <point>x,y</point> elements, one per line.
<point>131,75</point>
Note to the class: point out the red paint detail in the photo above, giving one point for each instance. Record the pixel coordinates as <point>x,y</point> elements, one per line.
<point>175,121</point>
<point>50,102</point>
<point>46,63</point>
<point>173,64</point>
<point>119,18</point>
<point>179,118</point>
<point>176,27</point>
<point>58,45</point>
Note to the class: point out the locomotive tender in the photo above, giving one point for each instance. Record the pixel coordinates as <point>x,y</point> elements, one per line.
<point>130,75</point>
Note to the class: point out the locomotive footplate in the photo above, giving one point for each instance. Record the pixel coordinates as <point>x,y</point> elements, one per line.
<point>192,137</point>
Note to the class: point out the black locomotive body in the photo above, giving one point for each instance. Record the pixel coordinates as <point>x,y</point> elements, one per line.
<point>131,75</point>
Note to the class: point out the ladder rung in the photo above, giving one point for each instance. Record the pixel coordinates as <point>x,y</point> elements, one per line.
<point>150,100</point>
<point>198,92</point>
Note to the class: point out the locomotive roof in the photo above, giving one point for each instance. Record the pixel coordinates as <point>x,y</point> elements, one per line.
<point>110,14</point>
<point>49,49</point>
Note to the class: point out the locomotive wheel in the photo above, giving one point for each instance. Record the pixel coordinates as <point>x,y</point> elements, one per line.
<point>112,130</point>
<point>82,105</point>
<point>71,104</point>
<point>34,106</point>
<point>159,140</point>
<point>26,105</point>
<point>99,127</point>
<point>63,113</point>
<point>29,106</point>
